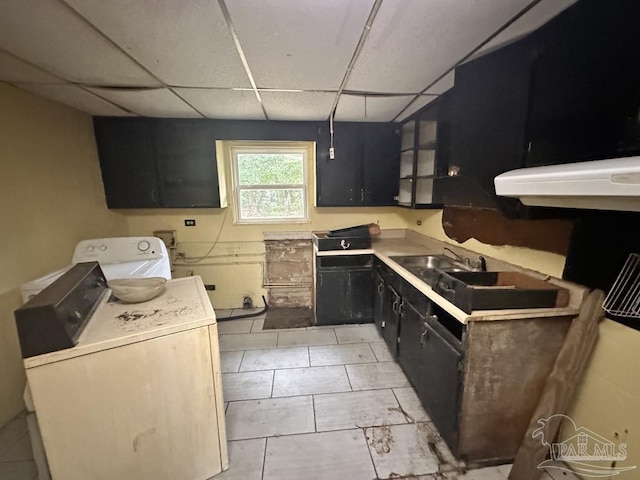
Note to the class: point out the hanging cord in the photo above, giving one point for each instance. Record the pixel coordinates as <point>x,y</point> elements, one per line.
<point>215,242</point>
<point>247,315</point>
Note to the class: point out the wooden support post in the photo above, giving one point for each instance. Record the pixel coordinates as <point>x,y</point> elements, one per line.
<point>560,386</point>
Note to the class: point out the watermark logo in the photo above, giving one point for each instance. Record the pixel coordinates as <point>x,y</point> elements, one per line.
<point>582,453</point>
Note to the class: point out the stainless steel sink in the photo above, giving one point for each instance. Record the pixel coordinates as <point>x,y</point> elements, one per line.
<point>426,266</point>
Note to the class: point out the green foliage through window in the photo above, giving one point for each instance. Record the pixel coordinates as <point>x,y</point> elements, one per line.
<point>270,185</point>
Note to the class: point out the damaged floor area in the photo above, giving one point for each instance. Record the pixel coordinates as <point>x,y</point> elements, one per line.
<point>322,403</point>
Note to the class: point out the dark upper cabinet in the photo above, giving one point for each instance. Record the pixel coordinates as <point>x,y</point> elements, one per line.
<point>185,152</point>
<point>489,112</point>
<point>339,180</point>
<point>125,149</point>
<point>151,163</point>
<point>365,169</point>
<point>567,92</point>
<point>585,101</point>
<point>381,163</point>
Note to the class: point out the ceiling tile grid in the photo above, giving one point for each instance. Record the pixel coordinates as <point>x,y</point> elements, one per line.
<point>75,97</point>
<point>301,44</point>
<point>94,55</point>
<point>224,104</point>
<point>48,34</point>
<point>184,43</point>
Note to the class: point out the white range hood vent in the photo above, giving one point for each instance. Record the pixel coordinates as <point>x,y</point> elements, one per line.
<point>602,185</point>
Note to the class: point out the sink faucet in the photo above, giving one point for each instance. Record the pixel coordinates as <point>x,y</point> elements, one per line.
<point>457,257</point>
<point>481,264</point>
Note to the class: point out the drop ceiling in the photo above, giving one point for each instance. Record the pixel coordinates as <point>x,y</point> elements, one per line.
<point>364,60</point>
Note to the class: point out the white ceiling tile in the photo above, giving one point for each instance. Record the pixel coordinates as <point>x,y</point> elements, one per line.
<point>299,44</point>
<point>185,43</point>
<point>530,21</point>
<point>412,42</point>
<point>417,105</point>
<point>241,105</point>
<point>75,97</point>
<point>149,102</point>
<point>15,70</point>
<point>442,85</point>
<point>355,108</point>
<point>50,35</point>
<point>298,105</point>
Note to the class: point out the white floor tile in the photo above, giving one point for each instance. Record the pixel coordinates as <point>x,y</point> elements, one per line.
<point>248,341</point>
<point>18,471</point>
<point>411,405</point>
<point>339,411</point>
<point>358,334</point>
<point>488,473</point>
<point>223,313</point>
<point>246,458</point>
<point>305,381</point>
<point>298,338</point>
<point>273,359</point>
<point>235,326</point>
<point>270,417</point>
<point>319,456</point>
<point>382,352</point>
<point>258,323</point>
<point>246,311</point>
<point>341,354</point>
<point>369,376</point>
<point>401,450</point>
<point>12,432</point>
<point>247,385</point>
<point>231,360</point>
<point>20,451</point>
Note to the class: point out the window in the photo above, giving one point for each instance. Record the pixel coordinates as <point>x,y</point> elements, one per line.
<point>270,182</point>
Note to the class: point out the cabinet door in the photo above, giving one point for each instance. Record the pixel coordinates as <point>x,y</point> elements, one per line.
<point>381,163</point>
<point>339,181</point>
<point>410,348</point>
<point>360,295</point>
<point>331,297</point>
<point>126,154</point>
<point>187,167</point>
<point>391,319</point>
<point>585,100</point>
<point>440,383</point>
<point>490,104</point>
<point>378,300</point>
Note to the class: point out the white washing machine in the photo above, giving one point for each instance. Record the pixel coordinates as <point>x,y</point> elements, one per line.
<point>119,257</point>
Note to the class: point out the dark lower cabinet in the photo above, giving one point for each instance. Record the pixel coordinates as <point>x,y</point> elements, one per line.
<point>410,349</point>
<point>344,292</point>
<point>440,379</point>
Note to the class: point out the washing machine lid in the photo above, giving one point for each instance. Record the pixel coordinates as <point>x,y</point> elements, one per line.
<point>158,267</point>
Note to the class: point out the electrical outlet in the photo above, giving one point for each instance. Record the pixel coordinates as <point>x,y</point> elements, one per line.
<point>190,223</point>
<point>209,286</point>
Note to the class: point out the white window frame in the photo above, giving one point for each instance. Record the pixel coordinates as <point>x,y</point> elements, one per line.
<point>270,147</point>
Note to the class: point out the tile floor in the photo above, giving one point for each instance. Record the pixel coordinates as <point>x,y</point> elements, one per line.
<point>309,403</point>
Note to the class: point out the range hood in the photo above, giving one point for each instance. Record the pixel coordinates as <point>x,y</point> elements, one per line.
<point>612,184</point>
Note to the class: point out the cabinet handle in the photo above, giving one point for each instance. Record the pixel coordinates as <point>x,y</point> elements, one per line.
<point>380,287</point>
<point>424,337</point>
<point>344,244</point>
<point>362,195</point>
<point>394,306</point>
<point>400,307</point>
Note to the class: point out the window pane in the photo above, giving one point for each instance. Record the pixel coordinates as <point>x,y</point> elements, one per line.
<point>270,168</point>
<point>272,203</point>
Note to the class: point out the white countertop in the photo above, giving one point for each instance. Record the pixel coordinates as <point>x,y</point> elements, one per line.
<point>183,305</point>
<point>384,248</point>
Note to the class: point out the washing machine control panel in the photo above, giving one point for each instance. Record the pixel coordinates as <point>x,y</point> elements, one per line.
<point>119,249</point>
